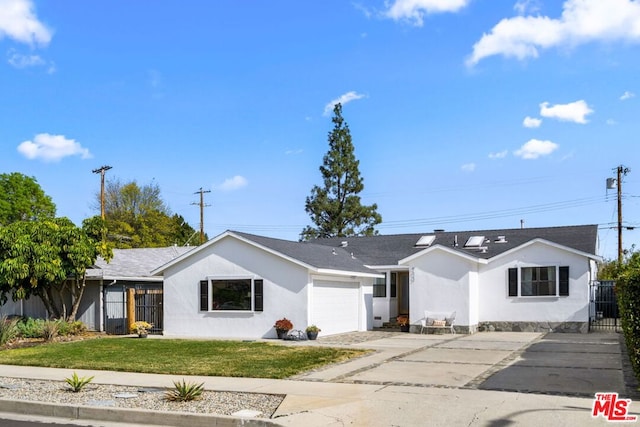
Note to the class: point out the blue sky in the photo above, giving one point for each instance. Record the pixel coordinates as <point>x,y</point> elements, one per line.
<point>465,114</point>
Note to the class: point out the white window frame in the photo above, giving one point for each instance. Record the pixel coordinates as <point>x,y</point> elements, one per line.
<point>545,265</point>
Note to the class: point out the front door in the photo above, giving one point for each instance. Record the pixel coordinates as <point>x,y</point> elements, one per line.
<point>403,292</point>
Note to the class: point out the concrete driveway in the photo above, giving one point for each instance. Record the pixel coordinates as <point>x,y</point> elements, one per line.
<point>554,363</point>
<point>567,364</point>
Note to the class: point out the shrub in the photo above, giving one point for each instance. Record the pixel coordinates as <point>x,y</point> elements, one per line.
<point>77,383</point>
<point>628,295</point>
<point>30,328</point>
<point>50,329</point>
<point>184,392</point>
<point>8,329</point>
<point>71,328</point>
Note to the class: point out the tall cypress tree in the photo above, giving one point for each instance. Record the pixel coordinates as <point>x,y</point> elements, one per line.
<point>335,208</point>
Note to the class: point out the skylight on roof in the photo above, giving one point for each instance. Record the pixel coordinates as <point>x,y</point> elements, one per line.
<point>425,240</point>
<point>474,242</point>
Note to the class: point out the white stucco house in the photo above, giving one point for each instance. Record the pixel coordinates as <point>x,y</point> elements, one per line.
<point>239,284</point>
<point>535,279</point>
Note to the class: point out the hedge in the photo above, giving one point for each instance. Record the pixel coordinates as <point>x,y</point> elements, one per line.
<point>628,295</point>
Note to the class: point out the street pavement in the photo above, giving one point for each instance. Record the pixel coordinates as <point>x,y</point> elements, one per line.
<point>491,379</point>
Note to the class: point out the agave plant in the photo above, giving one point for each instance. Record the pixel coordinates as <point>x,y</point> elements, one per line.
<point>184,391</point>
<point>77,383</point>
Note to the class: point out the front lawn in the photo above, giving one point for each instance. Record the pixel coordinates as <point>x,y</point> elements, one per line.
<point>180,357</point>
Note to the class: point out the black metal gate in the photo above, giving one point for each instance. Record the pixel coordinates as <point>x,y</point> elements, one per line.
<point>147,300</point>
<point>603,307</point>
<point>148,307</point>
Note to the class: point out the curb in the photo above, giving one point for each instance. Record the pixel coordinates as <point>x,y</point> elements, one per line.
<point>131,416</point>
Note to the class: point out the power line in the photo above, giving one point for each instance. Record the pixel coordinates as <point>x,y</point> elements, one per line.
<point>423,222</point>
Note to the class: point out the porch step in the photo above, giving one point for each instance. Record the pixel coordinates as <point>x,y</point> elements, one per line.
<point>388,326</point>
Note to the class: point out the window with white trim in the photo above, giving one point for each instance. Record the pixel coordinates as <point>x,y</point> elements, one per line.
<point>380,287</point>
<point>231,294</point>
<point>538,281</point>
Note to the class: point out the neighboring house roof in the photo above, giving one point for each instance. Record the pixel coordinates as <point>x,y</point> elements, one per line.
<point>319,258</point>
<point>128,264</point>
<point>388,250</point>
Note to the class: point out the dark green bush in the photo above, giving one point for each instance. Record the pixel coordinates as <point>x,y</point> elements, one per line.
<point>628,295</point>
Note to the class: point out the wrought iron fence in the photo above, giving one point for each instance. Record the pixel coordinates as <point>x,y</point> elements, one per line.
<point>603,307</point>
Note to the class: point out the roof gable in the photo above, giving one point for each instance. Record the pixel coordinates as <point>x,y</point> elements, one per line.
<point>319,258</point>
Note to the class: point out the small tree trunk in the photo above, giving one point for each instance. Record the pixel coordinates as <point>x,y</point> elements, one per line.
<point>76,297</point>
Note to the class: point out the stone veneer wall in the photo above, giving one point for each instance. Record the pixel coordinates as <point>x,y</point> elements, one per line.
<point>571,327</point>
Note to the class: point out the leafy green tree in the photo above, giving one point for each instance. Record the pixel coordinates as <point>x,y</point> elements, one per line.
<point>137,217</point>
<point>611,269</point>
<point>22,199</point>
<point>335,208</point>
<point>48,259</point>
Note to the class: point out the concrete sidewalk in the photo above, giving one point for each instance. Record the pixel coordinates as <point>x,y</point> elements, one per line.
<point>409,380</point>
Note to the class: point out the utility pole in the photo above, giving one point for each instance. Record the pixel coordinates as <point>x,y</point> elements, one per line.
<point>101,170</point>
<point>621,171</point>
<point>202,206</point>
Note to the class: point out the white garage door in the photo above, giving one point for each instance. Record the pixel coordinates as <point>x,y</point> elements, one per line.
<point>335,306</point>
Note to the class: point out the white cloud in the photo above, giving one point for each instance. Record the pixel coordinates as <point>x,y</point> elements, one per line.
<point>414,10</point>
<point>582,21</point>
<point>526,6</point>
<point>19,60</point>
<point>364,9</point>
<point>343,99</point>
<point>627,95</point>
<point>611,122</point>
<point>573,112</point>
<point>19,22</point>
<point>468,167</point>
<point>531,122</point>
<point>499,155</point>
<point>231,184</point>
<point>290,152</point>
<point>535,148</point>
<point>52,148</point>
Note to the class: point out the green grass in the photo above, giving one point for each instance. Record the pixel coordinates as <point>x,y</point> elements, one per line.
<point>180,357</point>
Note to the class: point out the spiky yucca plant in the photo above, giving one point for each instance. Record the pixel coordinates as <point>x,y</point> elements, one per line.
<point>184,391</point>
<point>77,383</point>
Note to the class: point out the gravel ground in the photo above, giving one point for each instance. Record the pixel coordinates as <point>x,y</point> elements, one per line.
<point>223,403</point>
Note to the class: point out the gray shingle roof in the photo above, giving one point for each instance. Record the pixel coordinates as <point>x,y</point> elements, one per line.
<point>389,249</point>
<point>319,256</point>
<point>136,262</point>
